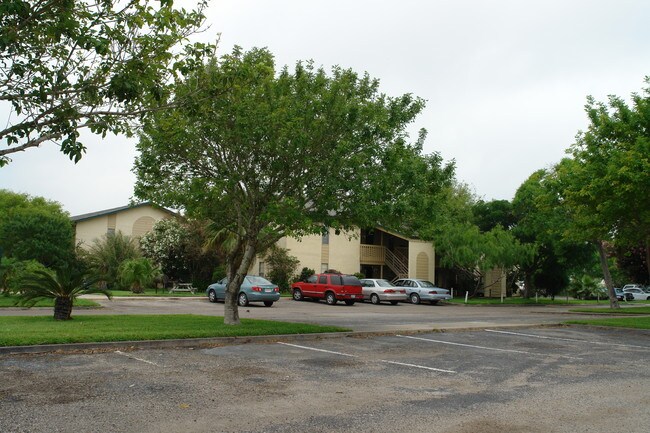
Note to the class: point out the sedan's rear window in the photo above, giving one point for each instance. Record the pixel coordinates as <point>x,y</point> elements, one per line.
<point>258,280</point>
<point>385,283</point>
<point>351,280</point>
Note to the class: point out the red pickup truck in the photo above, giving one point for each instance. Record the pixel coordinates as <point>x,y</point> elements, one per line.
<point>331,287</point>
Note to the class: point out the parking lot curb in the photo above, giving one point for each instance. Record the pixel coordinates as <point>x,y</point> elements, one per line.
<point>203,343</point>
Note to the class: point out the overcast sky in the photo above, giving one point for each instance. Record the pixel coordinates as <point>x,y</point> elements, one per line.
<point>505,81</point>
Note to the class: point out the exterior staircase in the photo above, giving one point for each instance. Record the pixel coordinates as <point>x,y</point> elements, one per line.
<point>397,263</point>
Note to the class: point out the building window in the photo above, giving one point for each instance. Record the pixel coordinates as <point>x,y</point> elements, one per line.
<point>324,267</point>
<point>262,269</point>
<point>110,231</point>
<point>326,237</point>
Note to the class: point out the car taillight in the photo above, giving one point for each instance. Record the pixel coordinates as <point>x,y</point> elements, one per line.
<point>433,292</point>
<point>277,289</point>
<point>389,291</point>
<point>256,289</point>
<point>402,291</point>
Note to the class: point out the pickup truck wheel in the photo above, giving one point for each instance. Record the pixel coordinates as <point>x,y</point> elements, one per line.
<point>212,296</point>
<point>268,303</point>
<point>375,299</point>
<point>415,298</point>
<point>330,298</point>
<point>349,302</point>
<point>297,295</point>
<point>242,300</point>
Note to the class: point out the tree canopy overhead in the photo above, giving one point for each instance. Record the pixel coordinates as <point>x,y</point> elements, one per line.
<point>271,153</point>
<point>87,64</point>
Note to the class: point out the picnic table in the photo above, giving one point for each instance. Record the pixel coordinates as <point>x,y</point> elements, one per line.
<point>183,287</point>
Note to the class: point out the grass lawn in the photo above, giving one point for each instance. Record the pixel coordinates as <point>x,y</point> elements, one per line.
<point>523,301</point>
<point>628,310</point>
<point>624,322</point>
<point>11,300</point>
<point>22,330</point>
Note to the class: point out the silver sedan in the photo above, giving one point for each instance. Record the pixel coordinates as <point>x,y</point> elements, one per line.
<point>419,290</point>
<point>377,290</point>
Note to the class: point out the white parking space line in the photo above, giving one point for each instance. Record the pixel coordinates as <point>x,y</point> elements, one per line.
<point>568,339</point>
<point>137,359</point>
<point>356,356</point>
<point>416,366</point>
<point>523,352</point>
<point>318,350</point>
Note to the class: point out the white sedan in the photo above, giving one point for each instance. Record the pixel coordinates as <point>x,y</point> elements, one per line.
<point>639,294</point>
<point>377,290</point>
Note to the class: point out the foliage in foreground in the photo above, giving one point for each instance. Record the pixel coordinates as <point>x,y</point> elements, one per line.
<point>21,330</point>
<point>94,65</point>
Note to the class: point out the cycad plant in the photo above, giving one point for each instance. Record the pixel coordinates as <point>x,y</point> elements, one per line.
<point>63,285</point>
<point>137,274</point>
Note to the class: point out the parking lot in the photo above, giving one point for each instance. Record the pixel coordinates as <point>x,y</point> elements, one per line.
<point>562,379</point>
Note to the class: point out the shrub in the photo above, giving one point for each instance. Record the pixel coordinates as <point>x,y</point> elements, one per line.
<point>107,254</point>
<point>137,274</point>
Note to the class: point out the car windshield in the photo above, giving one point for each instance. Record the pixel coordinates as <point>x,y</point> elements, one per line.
<point>425,283</point>
<point>258,280</point>
<point>385,283</point>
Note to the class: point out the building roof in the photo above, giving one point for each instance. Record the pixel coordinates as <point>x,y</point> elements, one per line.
<point>87,216</point>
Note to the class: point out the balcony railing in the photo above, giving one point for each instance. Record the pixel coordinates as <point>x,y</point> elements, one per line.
<point>372,254</point>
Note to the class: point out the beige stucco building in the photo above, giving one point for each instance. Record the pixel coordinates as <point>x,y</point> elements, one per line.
<point>375,253</point>
<point>133,221</point>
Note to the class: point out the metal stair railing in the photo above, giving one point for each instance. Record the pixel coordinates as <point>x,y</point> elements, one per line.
<point>396,264</point>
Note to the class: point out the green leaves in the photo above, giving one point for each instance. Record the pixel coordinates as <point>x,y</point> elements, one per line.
<point>74,64</point>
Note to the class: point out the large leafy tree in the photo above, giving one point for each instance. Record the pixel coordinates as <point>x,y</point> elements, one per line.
<point>605,185</point>
<point>272,153</point>
<point>87,64</point>
<point>33,228</point>
<point>541,221</point>
<point>470,237</point>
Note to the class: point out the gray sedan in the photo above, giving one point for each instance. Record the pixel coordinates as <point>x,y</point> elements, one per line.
<point>419,290</point>
<point>377,290</point>
<point>253,289</point>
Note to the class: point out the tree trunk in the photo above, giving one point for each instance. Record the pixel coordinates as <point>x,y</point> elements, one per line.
<point>62,308</point>
<point>613,302</point>
<point>136,288</point>
<point>647,254</point>
<point>236,274</point>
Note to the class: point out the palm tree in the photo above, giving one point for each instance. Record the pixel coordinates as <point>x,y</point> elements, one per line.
<point>137,274</point>
<point>64,286</point>
<point>107,253</point>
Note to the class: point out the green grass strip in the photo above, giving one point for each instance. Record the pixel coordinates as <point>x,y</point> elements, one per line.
<point>7,301</point>
<point>22,330</point>
<point>629,310</point>
<point>624,322</point>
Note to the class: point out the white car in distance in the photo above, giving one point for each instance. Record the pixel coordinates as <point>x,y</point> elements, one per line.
<point>377,290</point>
